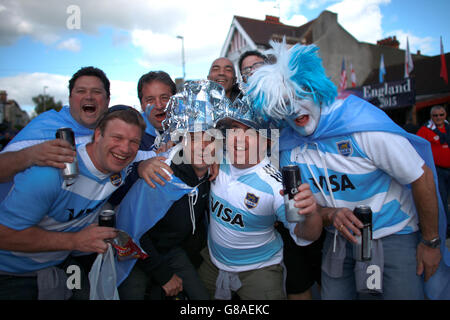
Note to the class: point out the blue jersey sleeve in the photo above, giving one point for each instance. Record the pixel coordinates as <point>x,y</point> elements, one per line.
<point>30,199</point>
<point>285,158</point>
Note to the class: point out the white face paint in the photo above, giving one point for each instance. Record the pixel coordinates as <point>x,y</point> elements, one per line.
<point>304,117</point>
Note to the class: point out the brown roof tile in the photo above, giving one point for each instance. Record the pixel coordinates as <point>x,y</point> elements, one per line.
<point>261,31</point>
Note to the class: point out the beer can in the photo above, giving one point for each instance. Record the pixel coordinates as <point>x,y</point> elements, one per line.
<point>362,250</point>
<point>291,181</point>
<point>70,172</point>
<point>107,218</point>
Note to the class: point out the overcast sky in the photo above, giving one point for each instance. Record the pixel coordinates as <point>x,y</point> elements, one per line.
<point>42,44</point>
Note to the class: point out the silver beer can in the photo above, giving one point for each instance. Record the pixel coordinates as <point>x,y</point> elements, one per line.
<point>70,172</point>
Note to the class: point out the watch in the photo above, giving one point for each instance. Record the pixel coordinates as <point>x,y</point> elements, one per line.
<point>433,243</point>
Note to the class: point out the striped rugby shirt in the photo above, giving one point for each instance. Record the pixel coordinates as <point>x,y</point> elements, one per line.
<point>244,204</point>
<point>42,198</point>
<point>370,168</point>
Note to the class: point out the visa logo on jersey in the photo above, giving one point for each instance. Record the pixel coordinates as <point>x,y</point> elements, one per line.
<point>226,214</point>
<point>337,183</point>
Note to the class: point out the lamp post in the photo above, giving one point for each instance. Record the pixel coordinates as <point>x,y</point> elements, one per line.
<point>182,56</point>
<point>45,96</point>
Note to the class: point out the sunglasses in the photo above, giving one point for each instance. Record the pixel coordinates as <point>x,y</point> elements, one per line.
<point>438,115</point>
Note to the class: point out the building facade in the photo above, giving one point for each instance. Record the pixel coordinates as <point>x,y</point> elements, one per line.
<point>337,44</point>
<point>11,115</point>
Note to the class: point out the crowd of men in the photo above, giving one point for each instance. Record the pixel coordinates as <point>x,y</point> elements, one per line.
<point>219,231</point>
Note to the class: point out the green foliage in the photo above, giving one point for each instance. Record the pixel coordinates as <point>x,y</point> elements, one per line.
<point>45,102</point>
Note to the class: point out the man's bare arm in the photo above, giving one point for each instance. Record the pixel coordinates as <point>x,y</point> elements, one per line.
<point>35,239</point>
<point>424,193</point>
<point>53,153</point>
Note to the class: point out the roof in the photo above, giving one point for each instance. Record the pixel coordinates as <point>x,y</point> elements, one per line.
<point>262,31</point>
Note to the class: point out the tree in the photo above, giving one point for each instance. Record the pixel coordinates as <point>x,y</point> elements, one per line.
<point>45,102</point>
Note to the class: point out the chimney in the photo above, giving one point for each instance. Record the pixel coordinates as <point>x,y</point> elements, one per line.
<point>3,97</point>
<point>419,53</point>
<point>389,42</point>
<point>272,19</point>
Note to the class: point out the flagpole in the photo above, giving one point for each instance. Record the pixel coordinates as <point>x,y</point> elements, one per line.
<point>443,74</point>
<point>409,65</point>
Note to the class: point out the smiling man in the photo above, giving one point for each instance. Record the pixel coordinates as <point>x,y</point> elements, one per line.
<point>43,219</point>
<point>245,251</point>
<point>88,99</point>
<point>36,144</point>
<point>154,91</point>
<point>222,71</point>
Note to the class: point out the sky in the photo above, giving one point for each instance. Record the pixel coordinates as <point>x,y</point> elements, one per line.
<point>43,43</point>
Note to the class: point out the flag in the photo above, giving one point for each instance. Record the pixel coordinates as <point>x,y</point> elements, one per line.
<point>444,74</point>
<point>343,80</point>
<point>409,65</point>
<point>144,206</point>
<point>382,69</point>
<point>353,76</point>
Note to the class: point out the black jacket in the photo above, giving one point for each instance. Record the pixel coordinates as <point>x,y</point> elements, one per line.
<point>175,228</point>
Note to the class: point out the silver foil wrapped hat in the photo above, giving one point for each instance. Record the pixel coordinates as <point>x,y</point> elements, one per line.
<point>242,110</point>
<point>196,108</point>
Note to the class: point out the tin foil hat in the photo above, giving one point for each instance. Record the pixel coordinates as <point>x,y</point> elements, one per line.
<point>196,108</point>
<point>242,110</point>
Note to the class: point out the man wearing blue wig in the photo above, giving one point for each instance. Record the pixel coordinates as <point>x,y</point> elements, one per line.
<point>352,154</point>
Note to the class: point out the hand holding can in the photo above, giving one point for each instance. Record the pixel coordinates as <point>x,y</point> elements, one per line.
<point>70,172</point>
<point>362,249</point>
<point>107,218</point>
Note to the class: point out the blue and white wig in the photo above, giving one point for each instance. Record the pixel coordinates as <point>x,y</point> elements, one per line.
<point>297,74</point>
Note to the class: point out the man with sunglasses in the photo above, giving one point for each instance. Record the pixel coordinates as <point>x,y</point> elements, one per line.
<point>437,132</point>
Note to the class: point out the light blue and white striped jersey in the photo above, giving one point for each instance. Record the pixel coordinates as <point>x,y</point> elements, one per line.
<point>44,127</point>
<point>345,118</point>
<point>244,205</point>
<point>371,168</point>
<point>42,198</point>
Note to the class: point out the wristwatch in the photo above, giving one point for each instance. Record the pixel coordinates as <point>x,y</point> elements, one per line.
<point>433,243</point>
